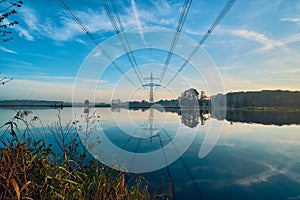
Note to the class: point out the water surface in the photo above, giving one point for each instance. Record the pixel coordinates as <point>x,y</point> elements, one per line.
<point>256,157</point>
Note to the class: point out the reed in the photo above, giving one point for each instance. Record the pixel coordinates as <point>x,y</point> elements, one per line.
<point>29,168</point>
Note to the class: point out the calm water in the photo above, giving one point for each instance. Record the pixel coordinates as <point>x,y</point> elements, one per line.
<point>257,155</point>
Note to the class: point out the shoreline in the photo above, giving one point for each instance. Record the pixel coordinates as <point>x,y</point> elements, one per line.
<point>55,106</point>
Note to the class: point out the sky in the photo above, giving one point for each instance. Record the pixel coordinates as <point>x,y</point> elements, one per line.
<point>255,47</point>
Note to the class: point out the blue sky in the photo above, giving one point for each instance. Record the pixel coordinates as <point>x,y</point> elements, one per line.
<point>256,46</point>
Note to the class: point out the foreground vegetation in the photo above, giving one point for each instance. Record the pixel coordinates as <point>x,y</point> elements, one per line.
<point>30,169</point>
<point>27,173</point>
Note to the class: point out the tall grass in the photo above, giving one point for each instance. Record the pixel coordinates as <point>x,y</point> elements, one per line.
<point>30,169</point>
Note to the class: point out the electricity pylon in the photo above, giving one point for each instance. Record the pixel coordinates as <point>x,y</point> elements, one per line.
<point>151,85</point>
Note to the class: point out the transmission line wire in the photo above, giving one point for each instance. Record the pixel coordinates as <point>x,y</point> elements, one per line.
<point>118,27</point>
<point>91,37</point>
<point>204,38</point>
<point>183,163</point>
<point>180,23</point>
<point>125,37</point>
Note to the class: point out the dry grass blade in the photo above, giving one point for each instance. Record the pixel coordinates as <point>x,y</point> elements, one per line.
<point>25,186</point>
<point>14,183</point>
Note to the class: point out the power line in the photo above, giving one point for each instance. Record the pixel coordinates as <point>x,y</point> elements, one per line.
<point>18,4</point>
<point>180,23</point>
<point>167,166</point>
<point>91,37</point>
<point>207,34</point>
<point>184,164</point>
<point>126,39</point>
<point>118,27</point>
<point>74,16</point>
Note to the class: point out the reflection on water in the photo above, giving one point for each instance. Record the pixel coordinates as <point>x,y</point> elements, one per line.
<point>192,117</point>
<point>252,160</point>
<point>150,125</point>
<point>264,117</point>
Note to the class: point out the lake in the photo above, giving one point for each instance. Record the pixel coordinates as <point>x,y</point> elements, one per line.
<point>200,155</point>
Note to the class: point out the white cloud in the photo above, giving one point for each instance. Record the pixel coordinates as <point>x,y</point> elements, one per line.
<point>24,33</point>
<point>198,33</point>
<point>63,28</point>
<point>30,17</point>
<point>168,21</point>
<point>80,41</point>
<point>257,37</point>
<point>293,20</point>
<point>2,48</point>
<point>97,54</point>
<point>267,43</point>
<point>42,56</point>
<point>163,7</point>
<point>291,39</point>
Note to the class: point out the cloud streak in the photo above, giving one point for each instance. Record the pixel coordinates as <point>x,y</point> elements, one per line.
<point>138,21</point>
<point>291,39</point>
<point>24,33</point>
<point>197,33</point>
<point>267,43</point>
<point>257,37</point>
<point>293,20</point>
<point>266,175</point>
<point>2,48</point>
<point>258,178</point>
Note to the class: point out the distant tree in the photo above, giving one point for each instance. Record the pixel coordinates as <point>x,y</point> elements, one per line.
<point>202,95</point>
<point>191,93</point>
<point>7,9</point>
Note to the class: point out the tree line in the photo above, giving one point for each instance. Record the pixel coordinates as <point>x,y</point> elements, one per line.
<point>264,98</point>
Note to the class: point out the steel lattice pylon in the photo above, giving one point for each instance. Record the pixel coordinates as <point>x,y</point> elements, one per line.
<point>151,85</point>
